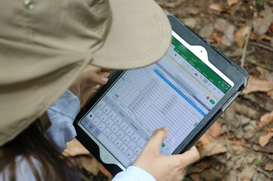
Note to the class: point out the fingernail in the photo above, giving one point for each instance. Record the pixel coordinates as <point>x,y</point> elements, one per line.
<point>104,79</point>
<point>165,128</point>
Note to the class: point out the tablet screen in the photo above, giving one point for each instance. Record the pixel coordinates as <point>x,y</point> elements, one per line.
<point>178,91</point>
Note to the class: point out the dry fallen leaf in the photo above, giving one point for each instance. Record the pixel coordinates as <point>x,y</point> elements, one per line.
<point>211,174</point>
<point>268,167</point>
<point>270,30</point>
<point>241,34</point>
<point>201,166</point>
<point>227,28</point>
<point>212,149</point>
<point>261,25</point>
<point>256,84</point>
<point>262,70</point>
<point>90,164</point>
<point>219,8</point>
<point>231,2</point>
<point>206,31</point>
<point>105,172</point>
<point>221,24</point>
<point>215,129</point>
<point>228,37</point>
<point>266,119</point>
<point>244,120</point>
<point>218,39</point>
<point>204,140</point>
<point>75,148</point>
<point>195,176</point>
<point>190,22</point>
<point>248,171</point>
<point>216,7</point>
<point>245,110</point>
<point>237,148</point>
<point>265,139</point>
<point>238,164</point>
<point>244,178</point>
<point>264,37</point>
<point>270,94</point>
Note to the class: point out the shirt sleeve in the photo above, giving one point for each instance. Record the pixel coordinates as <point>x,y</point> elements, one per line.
<point>133,173</point>
<point>62,114</point>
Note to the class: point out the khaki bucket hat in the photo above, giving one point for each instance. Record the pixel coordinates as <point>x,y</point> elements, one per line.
<point>44,45</point>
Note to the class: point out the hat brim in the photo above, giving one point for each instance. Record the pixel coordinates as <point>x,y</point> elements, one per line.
<point>140,35</point>
<point>23,102</point>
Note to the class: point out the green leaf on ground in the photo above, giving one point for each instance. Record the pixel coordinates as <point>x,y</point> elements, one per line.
<point>256,162</point>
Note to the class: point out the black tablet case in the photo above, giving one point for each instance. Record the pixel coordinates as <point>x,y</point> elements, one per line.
<point>238,75</point>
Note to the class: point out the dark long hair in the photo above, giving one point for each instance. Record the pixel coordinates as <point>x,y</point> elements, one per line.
<point>32,143</point>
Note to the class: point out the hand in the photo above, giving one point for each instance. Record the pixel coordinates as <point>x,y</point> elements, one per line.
<point>164,167</point>
<point>85,85</point>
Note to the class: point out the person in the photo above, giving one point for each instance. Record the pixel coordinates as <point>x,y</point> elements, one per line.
<point>45,51</point>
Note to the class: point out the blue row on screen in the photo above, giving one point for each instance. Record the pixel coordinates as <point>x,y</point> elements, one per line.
<point>179,92</point>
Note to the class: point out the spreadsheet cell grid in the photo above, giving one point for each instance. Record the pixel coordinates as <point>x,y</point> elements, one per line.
<point>158,102</point>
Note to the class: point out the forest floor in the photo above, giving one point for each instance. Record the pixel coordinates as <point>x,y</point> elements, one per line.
<point>238,146</point>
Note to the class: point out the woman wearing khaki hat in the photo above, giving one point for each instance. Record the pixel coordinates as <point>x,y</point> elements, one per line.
<point>44,48</point>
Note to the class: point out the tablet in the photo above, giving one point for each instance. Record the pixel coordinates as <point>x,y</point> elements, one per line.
<point>186,91</point>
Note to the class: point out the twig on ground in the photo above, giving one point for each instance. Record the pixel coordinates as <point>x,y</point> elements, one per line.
<point>269,156</point>
<point>231,142</point>
<point>262,46</point>
<point>227,129</point>
<point>246,43</point>
<point>228,145</point>
<point>234,18</point>
<point>258,64</point>
<point>248,97</point>
<point>241,54</point>
<point>265,173</point>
